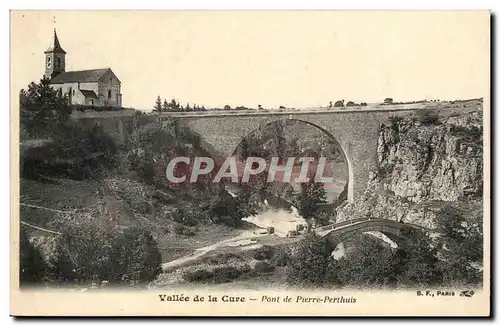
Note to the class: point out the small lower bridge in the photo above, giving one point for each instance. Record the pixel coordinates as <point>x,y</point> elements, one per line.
<point>338,232</point>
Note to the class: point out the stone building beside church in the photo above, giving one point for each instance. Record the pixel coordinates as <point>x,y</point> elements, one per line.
<point>97,87</point>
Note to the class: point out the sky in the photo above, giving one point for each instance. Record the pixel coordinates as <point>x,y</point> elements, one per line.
<point>296,59</point>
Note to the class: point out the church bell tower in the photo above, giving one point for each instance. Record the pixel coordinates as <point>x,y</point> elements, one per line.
<point>55,59</point>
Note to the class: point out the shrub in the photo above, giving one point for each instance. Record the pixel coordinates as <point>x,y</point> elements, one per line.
<point>350,103</point>
<point>395,119</point>
<point>472,134</point>
<point>262,267</point>
<point>369,264</point>
<point>225,274</point>
<point>75,154</point>
<point>246,270</point>
<point>280,258</point>
<point>309,262</point>
<point>32,267</point>
<point>179,229</point>
<point>263,253</point>
<point>339,104</point>
<point>93,249</point>
<point>200,275</point>
<point>428,117</point>
<point>222,258</point>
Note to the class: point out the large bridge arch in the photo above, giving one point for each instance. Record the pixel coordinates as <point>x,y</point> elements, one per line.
<point>350,176</point>
<point>355,132</point>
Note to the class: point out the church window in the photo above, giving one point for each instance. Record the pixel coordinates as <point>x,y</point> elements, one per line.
<point>48,62</point>
<point>73,92</point>
<point>109,93</point>
<point>58,62</point>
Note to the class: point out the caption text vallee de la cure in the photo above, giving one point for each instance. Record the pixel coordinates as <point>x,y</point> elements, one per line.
<point>261,299</point>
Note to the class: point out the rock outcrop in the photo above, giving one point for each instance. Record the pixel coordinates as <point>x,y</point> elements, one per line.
<point>422,165</point>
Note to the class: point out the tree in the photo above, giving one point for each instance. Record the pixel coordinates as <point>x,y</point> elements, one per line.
<point>351,103</point>
<point>93,249</point>
<point>188,108</point>
<point>312,194</point>
<point>32,266</point>
<point>42,109</point>
<point>174,105</point>
<point>165,106</point>
<point>279,135</point>
<point>140,256</point>
<point>388,100</point>
<point>244,148</point>
<point>157,107</point>
<point>310,262</point>
<point>227,107</point>
<point>339,104</point>
<point>460,246</point>
<point>369,263</point>
<point>417,262</point>
<point>428,116</point>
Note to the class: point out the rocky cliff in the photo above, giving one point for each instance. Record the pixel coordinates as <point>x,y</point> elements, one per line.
<point>424,162</point>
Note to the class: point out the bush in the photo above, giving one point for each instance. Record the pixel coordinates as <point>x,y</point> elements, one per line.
<point>221,258</point>
<point>369,264</point>
<point>179,229</point>
<point>428,117</point>
<point>263,268</point>
<point>200,275</point>
<point>395,119</point>
<point>74,154</point>
<point>472,134</point>
<point>263,253</point>
<point>32,267</point>
<point>93,249</point>
<point>280,258</point>
<point>217,275</point>
<point>339,104</point>
<point>225,274</point>
<point>350,103</point>
<point>309,262</point>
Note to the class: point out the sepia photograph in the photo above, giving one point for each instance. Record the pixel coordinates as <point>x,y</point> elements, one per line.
<point>210,163</point>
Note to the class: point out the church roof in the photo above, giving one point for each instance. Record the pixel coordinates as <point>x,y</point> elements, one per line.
<point>56,46</point>
<point>88,94</point>
<point>82,76</point>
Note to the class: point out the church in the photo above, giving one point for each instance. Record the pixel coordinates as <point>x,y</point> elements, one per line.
<point>95,87</point>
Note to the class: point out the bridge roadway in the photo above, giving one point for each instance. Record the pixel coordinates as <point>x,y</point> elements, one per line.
<point>337,232</point>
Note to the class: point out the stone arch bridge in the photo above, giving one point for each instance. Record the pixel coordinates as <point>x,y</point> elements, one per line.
<point>355,130</point>
<point>338,232</point>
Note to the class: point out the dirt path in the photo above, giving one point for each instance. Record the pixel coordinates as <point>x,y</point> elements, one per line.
<point>247,240</point>
<point>281,220</point>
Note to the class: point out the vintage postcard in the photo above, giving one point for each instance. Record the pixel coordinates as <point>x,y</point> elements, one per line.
<point>250,163</point>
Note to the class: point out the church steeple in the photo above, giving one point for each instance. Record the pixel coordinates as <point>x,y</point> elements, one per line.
<point>56,46</point>
<point>55,61</point>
